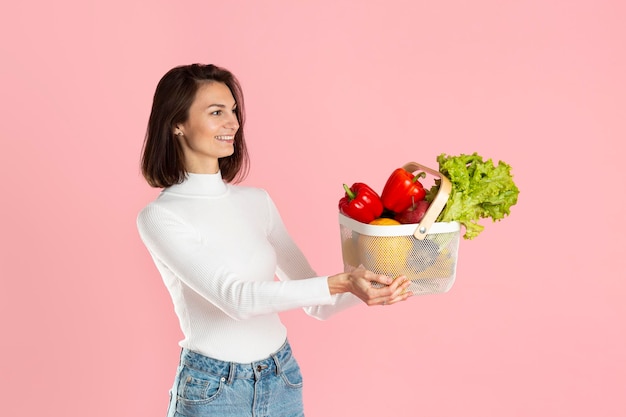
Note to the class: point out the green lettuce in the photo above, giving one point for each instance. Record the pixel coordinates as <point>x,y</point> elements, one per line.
<point>480,190</point>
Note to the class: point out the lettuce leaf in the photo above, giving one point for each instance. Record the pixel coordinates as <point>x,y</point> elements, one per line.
<point>480,190</point>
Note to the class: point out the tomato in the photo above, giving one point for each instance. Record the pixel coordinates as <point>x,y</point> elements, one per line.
<point>385,254</point>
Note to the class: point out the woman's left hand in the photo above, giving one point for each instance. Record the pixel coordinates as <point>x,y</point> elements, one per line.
<point>372,288</point>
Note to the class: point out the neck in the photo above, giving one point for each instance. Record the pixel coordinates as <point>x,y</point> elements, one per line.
<point>208,185</point>
<point>201,165</point>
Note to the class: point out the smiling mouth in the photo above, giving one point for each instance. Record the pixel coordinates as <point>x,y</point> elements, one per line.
<point>225,138</point>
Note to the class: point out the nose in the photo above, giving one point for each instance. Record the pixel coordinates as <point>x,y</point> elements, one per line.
<point>232,122</point>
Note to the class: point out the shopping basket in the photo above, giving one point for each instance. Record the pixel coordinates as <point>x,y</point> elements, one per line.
<point>426,253</point>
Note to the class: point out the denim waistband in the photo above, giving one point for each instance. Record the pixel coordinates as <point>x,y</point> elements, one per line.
<point>232,370</point>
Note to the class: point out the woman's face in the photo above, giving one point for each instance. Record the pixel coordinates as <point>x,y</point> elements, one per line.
<point>209,132</point>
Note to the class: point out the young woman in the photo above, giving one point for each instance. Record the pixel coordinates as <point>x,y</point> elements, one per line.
<point>219,246</point>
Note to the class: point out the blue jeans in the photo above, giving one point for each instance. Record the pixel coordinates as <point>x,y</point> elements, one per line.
<point>207,387</point>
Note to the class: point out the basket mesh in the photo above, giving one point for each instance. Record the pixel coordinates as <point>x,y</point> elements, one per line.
<point>430,263</point>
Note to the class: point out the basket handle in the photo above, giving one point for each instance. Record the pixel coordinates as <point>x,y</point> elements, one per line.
<point>438,203</point>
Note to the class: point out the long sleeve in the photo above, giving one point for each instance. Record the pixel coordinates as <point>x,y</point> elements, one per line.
<point>292,265</point>
<point>180,249</point>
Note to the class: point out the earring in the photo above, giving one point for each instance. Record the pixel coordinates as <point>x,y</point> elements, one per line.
<point>179,133</point>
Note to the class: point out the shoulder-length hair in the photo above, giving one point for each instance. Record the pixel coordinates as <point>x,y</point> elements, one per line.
<point>162,161</point>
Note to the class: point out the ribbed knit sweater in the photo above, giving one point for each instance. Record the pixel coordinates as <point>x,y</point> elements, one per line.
<point>219,248</point>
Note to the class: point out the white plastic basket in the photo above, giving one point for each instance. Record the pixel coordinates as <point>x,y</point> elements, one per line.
<point>426,252</point>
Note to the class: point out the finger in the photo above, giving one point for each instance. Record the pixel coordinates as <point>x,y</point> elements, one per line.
<point>402,293</point>
<point>381,301</point>
<point>399,281</point>
<point>387,301</point>
<point>403,297</point>
<point>398,285</point>
<point>378,293</point>
<point>397,298</point>
<point>393,283</point>
<point>403,286</point>
<point>379,279</point>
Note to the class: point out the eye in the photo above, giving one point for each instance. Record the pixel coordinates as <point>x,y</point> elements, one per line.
<point>216,112</point>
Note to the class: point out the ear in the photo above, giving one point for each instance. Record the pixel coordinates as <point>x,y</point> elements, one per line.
<point>178,131</point>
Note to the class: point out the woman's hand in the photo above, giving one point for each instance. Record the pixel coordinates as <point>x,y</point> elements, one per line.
<point>372,288</point>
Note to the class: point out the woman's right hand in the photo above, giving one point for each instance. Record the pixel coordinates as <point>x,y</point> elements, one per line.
<point>361,283</point>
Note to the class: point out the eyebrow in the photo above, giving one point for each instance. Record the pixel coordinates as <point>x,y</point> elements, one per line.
<point>221,106</point>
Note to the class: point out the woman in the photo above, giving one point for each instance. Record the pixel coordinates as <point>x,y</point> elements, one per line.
<point>218,248</point>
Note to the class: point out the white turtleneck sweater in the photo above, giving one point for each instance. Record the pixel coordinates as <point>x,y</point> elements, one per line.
<point>219,248</point>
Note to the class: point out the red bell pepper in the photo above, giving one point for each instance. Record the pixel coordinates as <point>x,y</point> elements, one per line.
<point>361,203</point>
<point>402,189</point>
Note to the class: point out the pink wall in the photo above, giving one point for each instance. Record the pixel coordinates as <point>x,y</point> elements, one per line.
<point>534,326</point>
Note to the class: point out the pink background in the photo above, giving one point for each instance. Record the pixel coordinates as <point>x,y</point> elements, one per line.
<point>336,92</point>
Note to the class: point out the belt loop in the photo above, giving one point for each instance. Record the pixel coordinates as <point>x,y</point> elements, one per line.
<point>231,373</point>
<point>277,362</point>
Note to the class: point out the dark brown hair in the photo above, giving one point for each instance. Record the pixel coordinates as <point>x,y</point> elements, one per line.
<point>162,161</point>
